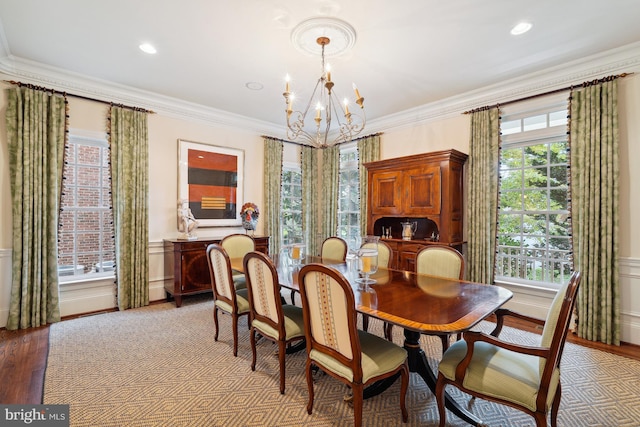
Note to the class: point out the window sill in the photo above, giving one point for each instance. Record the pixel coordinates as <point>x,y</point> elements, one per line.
<point>87,281</point>
<point>528,288</point>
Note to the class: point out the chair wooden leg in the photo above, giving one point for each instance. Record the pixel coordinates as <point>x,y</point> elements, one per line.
<point>281,353</point>
<point>388,331</point>
<point>252,338</point>
<point>440,400</point>
<point>293,297</point>
<point>555,406</point>
<point>365,322</point>
<point>404,376</point>
<point>358,392</point>
<point>541,419</point>
<point>445,342</point>
<point>234,325</point>
<point>215,323</point>
<point>309,386</point>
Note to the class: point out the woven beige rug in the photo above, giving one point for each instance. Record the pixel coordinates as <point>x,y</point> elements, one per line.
<point>159,366</point>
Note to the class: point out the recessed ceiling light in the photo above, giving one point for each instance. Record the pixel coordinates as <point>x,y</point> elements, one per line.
<point>147,48</point>
<point>254,86</point>
<point>521,28</point>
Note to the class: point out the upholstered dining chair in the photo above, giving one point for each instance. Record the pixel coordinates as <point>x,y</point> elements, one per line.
<point>384,261</point>
<point>441,261</point>
<point>524,377</point>
<point>337,347</point>
<point>334,247</point>
<point>226,298</point>
<point>276,322</point>
<point>237,246</point>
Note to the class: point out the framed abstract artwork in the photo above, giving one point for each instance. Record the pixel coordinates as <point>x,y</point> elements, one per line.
<point>211,179</point>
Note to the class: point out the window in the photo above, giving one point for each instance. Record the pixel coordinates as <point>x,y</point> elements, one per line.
<point>86,243</point>
<point>534,244</point>
<point>291,200</point>
<point>349,195</point>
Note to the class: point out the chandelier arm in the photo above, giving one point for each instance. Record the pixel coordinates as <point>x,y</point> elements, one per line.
<point>326,101</point>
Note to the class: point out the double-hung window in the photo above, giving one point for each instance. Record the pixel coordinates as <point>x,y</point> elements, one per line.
<point>86,245</point>
<point>291,203</point>
<point>349,195</point>
<point>534,244</point>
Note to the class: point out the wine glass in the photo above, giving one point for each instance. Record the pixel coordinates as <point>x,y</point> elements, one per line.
<point>367,264</point>
<point>297,253</point>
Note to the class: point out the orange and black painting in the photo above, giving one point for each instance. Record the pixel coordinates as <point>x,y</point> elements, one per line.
<point>213,184</point>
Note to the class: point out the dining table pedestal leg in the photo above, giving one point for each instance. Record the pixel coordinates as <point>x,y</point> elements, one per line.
<point>418,363</point>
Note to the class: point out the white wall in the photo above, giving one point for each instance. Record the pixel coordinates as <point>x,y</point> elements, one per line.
<point>164,132</point>
<point>454,133</point>
<point>448,131</point>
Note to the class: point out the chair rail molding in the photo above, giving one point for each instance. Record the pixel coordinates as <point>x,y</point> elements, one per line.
<point>536,301</point>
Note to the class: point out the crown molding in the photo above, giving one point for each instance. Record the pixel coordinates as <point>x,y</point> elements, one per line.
<point>62,80</point>
<point>623,59</point>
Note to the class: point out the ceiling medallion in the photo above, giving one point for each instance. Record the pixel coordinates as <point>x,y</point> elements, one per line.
<point>341,34</point>
<point>329,35</point>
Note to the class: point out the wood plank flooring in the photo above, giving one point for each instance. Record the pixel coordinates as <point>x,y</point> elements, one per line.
<point>23,359</point>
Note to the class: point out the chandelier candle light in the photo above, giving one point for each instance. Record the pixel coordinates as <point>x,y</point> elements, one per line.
<point>327,107</point>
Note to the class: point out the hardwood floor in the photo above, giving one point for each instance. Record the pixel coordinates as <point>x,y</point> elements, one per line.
<point>23,359</point>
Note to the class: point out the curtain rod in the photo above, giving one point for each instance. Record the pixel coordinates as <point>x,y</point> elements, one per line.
<point>307,145</point>
<point>31,86</point>
<point>526,98</point>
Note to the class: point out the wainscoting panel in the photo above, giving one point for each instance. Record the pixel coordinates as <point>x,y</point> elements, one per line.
<point>630,300</point>
<point>87,297</point>
<point>536,302</point>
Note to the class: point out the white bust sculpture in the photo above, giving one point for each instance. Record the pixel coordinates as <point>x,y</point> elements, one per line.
<point>186,221</point>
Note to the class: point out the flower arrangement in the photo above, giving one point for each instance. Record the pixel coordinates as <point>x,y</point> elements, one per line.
<point>250,211</point>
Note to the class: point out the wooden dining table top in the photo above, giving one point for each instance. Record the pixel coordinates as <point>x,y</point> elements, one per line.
<point>416,302</point>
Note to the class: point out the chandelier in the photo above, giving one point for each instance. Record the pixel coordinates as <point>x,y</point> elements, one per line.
<point>326,109</point>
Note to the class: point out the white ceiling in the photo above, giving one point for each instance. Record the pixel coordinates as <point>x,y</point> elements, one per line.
<point>408,53</point>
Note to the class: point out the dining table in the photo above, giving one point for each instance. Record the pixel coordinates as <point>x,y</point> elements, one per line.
<point>418,303</point>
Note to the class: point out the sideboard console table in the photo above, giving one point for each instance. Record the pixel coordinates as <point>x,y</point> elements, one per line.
<point>186,261</point>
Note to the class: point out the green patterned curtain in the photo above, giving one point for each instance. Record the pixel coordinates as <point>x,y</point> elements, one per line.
<point>36,133</point>
<point>130,195</point>
<point>309,167</point>
<point>368,151</point>
<point>330,183</point>
<point>482,190</point>
<point>594,209</point>
<point>273,150</point>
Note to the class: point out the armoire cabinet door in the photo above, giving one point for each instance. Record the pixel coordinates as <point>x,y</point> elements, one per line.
<point>386,193</point>
<point>422,191</point>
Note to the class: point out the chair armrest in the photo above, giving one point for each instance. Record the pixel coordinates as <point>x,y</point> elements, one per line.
<point>501,313</point>
<point>472,337</point>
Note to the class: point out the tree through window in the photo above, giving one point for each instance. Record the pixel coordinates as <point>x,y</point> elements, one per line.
<point>534,227</point>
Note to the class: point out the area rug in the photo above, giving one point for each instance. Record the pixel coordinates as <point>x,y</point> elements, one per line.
<point>160,366</point>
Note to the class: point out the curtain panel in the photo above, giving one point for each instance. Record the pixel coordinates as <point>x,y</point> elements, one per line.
<point>594,209</point>
<point>368,151</point>
<point>36,135</point>
<point>273,150</point>
<point>128,139</point>
<point>309,167</point>
<point>482,191</point>
<point>330,185</point>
